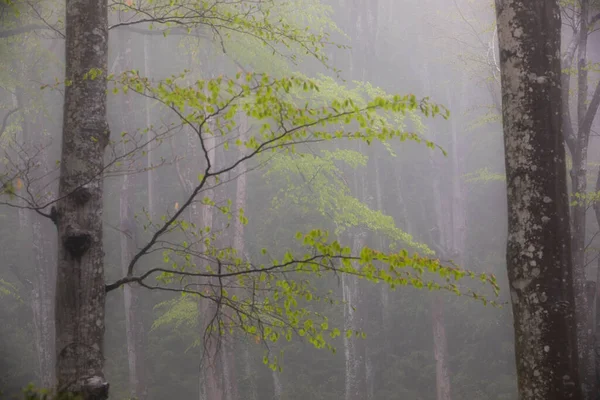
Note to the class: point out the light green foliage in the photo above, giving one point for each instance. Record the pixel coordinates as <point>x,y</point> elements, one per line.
<point>323,189</point>
<point>9,289</point>
<point>271,23</point>
<point>271,300</point>
<point>275,103</point>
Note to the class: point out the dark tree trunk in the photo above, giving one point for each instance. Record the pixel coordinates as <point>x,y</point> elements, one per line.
<point>80,291</point>
<point>539,261</point>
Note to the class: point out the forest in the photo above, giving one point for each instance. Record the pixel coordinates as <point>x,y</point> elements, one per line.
<point>299,199</point>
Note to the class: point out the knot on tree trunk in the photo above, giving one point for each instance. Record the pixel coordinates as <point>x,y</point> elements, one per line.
<point>77,242</point>
<point>95,388</point>
<point>81,195</point>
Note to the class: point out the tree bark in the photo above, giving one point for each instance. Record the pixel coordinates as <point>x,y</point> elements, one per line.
<point>539,262</point>
<point>80,291</point>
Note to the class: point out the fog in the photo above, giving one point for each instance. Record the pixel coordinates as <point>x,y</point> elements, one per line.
<point>446,202</point>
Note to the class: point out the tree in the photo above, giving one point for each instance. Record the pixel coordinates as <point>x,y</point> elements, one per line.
<point>207,107</point>
<point>80,292</point>
<point>539,262</point>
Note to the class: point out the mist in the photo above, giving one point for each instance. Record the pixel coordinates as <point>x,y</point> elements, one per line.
<point>275,224</point>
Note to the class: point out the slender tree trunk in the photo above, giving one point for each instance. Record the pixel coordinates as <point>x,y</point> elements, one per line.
<point>440,349</point>
<point>249,375</point>
<point>80,291</point>
<point>596,305</point>
<point>150,147</point>
<point>579,152</point>
<point>539,262</point>
<point>133,323</point>
<point>239,243</point>
<point>277,385</point>
<point>32,227</point>
<point>134,326</point>
<point>211,386</point>
<point>441,242</point>
<point>354,351</point>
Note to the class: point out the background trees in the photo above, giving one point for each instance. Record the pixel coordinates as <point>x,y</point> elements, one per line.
<point>375,195</point>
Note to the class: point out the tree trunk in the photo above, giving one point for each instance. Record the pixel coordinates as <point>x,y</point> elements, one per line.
<point>42,286</point>
<point>277,385</point>
<point>538,254</point>
<point>134,326</point>
<point>440,349</point>
<point>149,148</point>
<point>249,375</point>
<point>596,306</point>
<point>133,323</point>
<point>80,291</point>
<point>355,376</point>
<point>239,246</point>
<point>211,385</point>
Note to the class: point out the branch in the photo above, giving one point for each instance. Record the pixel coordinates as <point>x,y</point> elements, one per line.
<point>159,32</point>
<point>586,124</point>
<point>5,120</point>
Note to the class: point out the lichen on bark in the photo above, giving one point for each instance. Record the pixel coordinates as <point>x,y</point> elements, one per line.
<point>538,248</point>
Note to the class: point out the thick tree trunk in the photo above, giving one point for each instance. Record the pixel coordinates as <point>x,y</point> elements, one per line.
<point>538,256</point>
<point>80,292</point>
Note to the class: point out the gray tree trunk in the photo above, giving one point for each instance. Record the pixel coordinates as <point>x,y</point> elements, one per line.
<point>35,232</point>
<point>134,326</point>
<point>150,148</point>
<point>80,287</point>
<point>539,261</point>
<point>211,384</point>
<point>355,376</point>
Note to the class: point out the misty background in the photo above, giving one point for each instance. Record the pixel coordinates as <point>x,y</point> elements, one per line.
<point>453,205</point>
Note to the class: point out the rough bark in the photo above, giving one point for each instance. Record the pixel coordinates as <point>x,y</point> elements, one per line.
<point>538,254</point>
<point>43,300</point>
<point>80,292</point>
